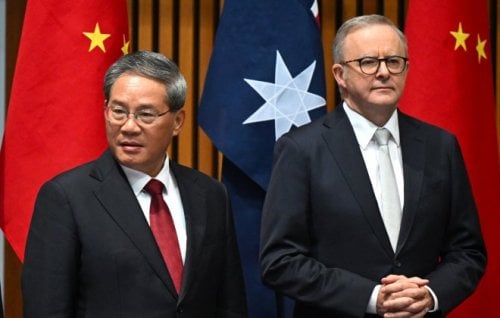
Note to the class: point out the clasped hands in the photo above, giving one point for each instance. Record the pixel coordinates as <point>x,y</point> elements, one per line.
<point>400,296</point>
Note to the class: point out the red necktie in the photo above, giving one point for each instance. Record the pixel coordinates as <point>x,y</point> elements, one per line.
<point>164,232</point>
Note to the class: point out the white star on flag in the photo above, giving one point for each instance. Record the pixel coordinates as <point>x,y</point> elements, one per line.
<point>287,100</point>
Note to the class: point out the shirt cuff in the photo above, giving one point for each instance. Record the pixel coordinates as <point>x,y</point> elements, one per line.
<point>436,303</point>
<point>372,303</point>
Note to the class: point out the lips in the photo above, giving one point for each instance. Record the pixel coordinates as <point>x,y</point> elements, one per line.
<point>130,146</point>
<point>382,88</point>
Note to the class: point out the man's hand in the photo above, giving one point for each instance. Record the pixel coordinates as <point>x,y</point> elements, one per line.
<point>404,297</point>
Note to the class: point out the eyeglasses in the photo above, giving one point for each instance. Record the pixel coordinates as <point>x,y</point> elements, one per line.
<point>120,115</point>
<point>370,65</point>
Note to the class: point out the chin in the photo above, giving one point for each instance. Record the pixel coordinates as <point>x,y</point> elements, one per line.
<point>385,102</point>
<point>126,160</point>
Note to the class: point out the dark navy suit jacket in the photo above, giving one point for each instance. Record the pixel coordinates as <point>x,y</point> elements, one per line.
<point>323,241</point>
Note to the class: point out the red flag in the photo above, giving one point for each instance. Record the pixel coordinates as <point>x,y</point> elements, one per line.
<point>55,117</point>
<point>450,84</point>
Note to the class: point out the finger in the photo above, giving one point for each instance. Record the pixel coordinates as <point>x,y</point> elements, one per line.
<point>419,306</point>
<point>392,278</point>
<point>398,286</point>
<point>399,314</point>
<point>419,281</point>
<point>397,278</point>
<point>398,304</point>
<point>417,293</point>
<point>408,304</point>
<point>403,313</point>
<point>421,313</point>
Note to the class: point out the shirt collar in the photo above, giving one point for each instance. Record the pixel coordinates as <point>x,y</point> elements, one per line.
<point>364,129</point>
<point>138,179</point>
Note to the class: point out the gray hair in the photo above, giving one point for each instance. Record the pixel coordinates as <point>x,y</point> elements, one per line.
<point>357,23</point>
<point>154,66</point>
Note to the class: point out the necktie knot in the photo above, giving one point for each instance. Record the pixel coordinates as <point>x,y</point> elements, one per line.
<point>382,136</point>
<point>154,187</point>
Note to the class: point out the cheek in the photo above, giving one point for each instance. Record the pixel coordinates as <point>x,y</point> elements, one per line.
<point>358,85</point>
<point>111,132</point>
<point>401,83</point>
<point>161,138</point>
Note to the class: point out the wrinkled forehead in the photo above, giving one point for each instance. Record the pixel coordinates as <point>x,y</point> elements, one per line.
<point>374,40</point>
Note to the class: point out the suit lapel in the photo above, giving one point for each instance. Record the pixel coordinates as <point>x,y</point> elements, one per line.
<point>344,147</point>
<point>119,201</point>
<point>413,152</point>
<point>195,211</point>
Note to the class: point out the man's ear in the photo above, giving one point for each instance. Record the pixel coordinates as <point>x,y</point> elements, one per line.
<point>338,73</point>
<point>180,115</point>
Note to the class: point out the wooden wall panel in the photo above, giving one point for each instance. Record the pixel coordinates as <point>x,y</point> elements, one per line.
<point>11,285</point>
<point>391,9</point>
<point>329,23</point>
<point>166,28</point>
<point>349,9</point>
<point>184,30</point>
<point>208,18</point>
<point>145,26</point>
<point>186,60</point>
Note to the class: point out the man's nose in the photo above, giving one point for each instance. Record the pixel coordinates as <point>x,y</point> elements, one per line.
<point>131,124</point>
<point>382,69</point>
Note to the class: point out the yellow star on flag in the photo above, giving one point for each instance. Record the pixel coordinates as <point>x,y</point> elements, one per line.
<point>125,46</point>
<point>460,37</point>
<point>480,49</point>
<point>97,38</point>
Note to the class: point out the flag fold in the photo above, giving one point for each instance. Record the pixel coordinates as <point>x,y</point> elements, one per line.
<point>55,116</point>
<point>450,84</point>
<point>265,77</point>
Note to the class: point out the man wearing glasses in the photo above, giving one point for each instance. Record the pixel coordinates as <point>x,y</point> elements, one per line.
<point>134,234</point>
<point>369,212</point>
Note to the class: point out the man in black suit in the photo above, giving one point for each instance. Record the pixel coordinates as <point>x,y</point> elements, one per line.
<point>326,239</point>
<point>91,251</point>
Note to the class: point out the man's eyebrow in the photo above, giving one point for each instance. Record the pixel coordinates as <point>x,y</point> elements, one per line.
<point>115,102</point>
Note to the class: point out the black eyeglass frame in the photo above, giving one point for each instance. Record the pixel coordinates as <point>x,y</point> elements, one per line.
<point>379,60</point>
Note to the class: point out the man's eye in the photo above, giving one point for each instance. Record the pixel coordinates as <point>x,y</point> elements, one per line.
<point>146,114</point>
<point>394,62</point>
<point>369,62</point>
<point>119,111</point>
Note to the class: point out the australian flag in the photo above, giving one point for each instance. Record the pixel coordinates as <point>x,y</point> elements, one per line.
<point>266,76</point>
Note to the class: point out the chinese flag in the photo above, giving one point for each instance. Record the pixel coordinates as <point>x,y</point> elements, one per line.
<point>55,117</point>
<point>450,84</point>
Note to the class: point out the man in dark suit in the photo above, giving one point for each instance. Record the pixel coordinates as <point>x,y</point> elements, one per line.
<point>330,240</point>
<point>91,251</point>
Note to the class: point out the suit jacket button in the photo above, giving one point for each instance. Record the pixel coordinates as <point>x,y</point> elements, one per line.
<point>398,264</point>
<point>180,310</point>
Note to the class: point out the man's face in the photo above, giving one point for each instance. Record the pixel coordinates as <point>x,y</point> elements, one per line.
<point>136,145</point>
<point>381,90</point>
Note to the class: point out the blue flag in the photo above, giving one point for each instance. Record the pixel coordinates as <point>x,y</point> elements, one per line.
<point>266,76</point>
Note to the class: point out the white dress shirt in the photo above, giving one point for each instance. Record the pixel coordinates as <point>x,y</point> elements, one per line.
<point>364,131</point>
<point>171,195</point>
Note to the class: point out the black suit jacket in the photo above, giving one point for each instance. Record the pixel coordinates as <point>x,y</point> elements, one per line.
<point>323,241</point>
<point>91,253</point>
